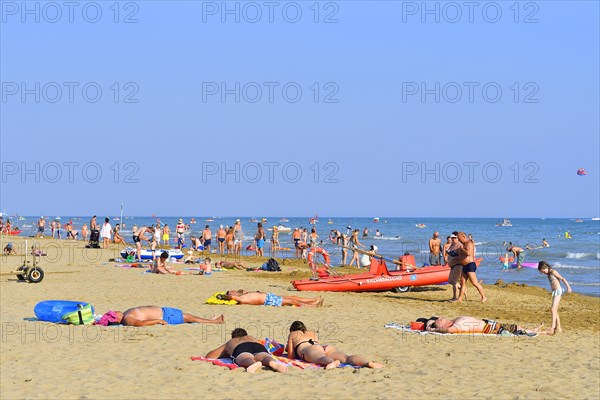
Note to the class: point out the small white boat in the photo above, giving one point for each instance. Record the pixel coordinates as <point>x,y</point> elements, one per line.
<point>376,219</point>
<point>57,219</point>
<point>504,222</point>
<point>284,219</point>
<point>281,228</point>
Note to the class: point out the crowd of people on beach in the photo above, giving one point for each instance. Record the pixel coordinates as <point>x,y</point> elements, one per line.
<point>458,252</point>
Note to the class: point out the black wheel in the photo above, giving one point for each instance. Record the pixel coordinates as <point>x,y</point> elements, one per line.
<point>403,289</point>
<point>35,275</point>
<point>22,276</point>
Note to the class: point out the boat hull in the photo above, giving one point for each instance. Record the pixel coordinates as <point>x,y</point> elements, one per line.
<point>377,279</point>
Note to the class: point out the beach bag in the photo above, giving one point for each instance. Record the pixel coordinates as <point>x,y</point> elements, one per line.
<point>271,265</point>
<point>83,316</point>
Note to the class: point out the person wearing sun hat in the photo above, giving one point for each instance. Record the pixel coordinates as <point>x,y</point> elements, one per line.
<point>221,234</point>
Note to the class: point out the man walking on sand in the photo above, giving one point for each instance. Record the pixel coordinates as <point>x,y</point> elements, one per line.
<point>466,254</point>
<point>434,249</point>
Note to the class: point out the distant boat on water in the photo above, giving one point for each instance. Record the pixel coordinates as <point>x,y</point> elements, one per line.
<point>284,219</point>
<point>376,219</point>
<point>504,222</point>
<point>282,229</point>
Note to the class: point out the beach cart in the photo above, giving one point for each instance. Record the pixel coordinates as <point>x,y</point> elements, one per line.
<point>26,272</point>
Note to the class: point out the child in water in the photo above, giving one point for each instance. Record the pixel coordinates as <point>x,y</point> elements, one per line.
<point>557,291</point>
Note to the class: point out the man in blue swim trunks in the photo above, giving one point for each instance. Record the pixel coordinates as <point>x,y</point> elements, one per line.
<point>260,240</point>
<point>153,315</point>
<point>270,299</point>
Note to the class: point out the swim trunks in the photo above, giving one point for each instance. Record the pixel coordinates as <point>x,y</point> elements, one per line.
<point>173,316</point>
<point>207,242</point>
<point>248,347</point>
<point>221,240</point>
<point>136,239</point>
<point>521,258</point>
<point>260,243</point>
<point>470,267</point>
<point>558,292</point>
<point>165,237</point>
<point>434,259</point>
<point>273,300</point>
<point>41,229</point>
<point>296,241</point>
<point>496,328</point>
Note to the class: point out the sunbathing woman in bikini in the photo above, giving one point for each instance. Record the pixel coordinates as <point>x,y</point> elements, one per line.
<point>303,344</point>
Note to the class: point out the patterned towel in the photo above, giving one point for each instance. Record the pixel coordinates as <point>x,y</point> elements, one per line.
<point>228,362</point>
<point>222,362</point>
<point>406,328</point>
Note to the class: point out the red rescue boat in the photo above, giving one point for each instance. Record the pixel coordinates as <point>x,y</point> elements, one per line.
<point>378,278</point>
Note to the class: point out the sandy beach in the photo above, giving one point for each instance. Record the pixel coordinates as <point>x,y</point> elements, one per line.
<point>43,360</point>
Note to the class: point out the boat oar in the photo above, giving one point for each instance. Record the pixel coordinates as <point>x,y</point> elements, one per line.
<point>370,253</point>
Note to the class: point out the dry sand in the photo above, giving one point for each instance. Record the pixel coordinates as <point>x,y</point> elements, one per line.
<point>42,360</point>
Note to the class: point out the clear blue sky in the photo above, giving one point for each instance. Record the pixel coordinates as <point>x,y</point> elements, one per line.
<point>370,132</point>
